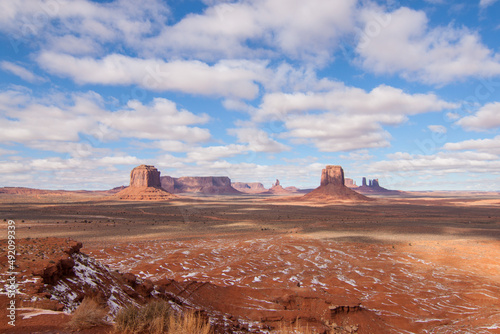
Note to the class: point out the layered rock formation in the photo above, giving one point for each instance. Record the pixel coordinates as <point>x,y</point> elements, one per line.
<point>350,183</point>
<point>250,187</point>
<point>209,185</point>
<point>332,187</point>
<point>145,176</point>
<point>145,185</point>
<point>373,187</point>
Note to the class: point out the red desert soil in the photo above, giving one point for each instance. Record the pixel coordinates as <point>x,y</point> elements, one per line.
<point>412,265</point>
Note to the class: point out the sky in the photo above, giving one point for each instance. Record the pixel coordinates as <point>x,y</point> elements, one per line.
<point>404,91</point>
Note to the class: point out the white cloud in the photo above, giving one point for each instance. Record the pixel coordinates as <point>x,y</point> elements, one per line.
<point>158,120</point>
<point>120,21</point>
<point>437,128</point>
<point>20,72</point>
<point>214,153</point>
<point>405,44</point>
<point>344,118</point>
<point>486,118</point>
<point>301,30</point>
<point>486,3</point>
<point>4,151</point>
<point>358,155</point>
<point>231,78</point>
<point>120,160</point>
<point>258,140</point>
<point>382,100</point>
<point>440,163</point>
<point>481,145</point>
<point>40,122</point>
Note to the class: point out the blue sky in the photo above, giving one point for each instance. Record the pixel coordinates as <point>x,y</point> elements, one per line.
<point>404,91</point>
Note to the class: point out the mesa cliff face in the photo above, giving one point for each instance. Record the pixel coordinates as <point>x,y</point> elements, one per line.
<point>145,176</point>
<point>249,187</point>
<point>145,185</point>
<point>373,187</point>
<point>210,185</point>
<point>332,187</point>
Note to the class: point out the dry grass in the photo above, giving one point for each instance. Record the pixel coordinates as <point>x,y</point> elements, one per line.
<point>285,328</point>
<point>188,323</point>
<point>90,313</point>
<point>158,317</point>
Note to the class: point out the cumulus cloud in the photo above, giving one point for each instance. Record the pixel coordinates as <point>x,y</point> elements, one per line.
<point>486,118</point>
<point>301,30</point>
<point>225,78</point>
<point>486,3</point>
<point>122,21</point>
<point>437,128</point>
<point>344,118</point>
<point>481,145</point>
<point>158,120</point>
<point>404,43</point>
<point>214,153</point>
<point>258,140</point>
<point>40,122</point>
<point>440,163</point>
<point>20,71</point>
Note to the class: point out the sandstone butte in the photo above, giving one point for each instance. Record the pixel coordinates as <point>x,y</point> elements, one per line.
<point>332,187</point>
<point>249,187</point>
<point>145,185</point>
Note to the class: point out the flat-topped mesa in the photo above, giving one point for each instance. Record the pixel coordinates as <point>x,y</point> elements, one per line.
<point>332,175</point>
<point>145,176</point>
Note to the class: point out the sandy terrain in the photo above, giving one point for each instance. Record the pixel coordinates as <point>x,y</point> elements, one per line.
<point>396,265</point>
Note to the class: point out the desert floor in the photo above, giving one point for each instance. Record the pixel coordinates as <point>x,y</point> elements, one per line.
<point>422,264</point>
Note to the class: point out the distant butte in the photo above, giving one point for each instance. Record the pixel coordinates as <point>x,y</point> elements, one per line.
<point>208,185</point>
<point>332,187</point>
<point>145,185</point>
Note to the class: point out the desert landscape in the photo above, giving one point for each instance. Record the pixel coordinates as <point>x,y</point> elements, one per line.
<point>329,261</point>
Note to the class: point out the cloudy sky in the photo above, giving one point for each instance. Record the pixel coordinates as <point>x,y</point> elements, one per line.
<point>404,91</point>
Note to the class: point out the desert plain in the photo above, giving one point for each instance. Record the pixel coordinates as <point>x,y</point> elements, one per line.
<point>415,263</point>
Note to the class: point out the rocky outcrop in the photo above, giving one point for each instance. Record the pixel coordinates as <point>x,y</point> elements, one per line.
<point>277,189</point>
<point>209,185</point>
<point>249,188</point>
<point>145,176</point>
<point>145,185</point>
<point>332,187</point>
<point>373,187</point>
<point>350,183</point>
<point>332,175</point>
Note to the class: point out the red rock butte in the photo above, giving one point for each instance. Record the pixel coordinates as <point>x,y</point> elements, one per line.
<point>145,185</point>
<point>145,176</point>
<point>332,187</point>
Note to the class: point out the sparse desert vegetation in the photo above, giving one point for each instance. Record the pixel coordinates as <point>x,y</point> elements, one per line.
<point>158,317</point>
<point>90,313</point>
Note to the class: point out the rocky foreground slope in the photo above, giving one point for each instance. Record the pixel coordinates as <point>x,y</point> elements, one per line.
<point>55,276</point>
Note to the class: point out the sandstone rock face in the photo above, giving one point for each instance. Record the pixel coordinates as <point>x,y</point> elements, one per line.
<point>332,175</point>
<point>145,176</point>
<point>210,185</point>
<point>332,187</point>
<point>249,188</point>
<point>350,183</point>
<point>145,185</point>
<point>373,187</point>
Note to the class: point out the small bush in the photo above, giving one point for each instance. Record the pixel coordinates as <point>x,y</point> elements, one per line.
<point>90,313</point>
<point>285,328</point>
<point>158,317</point>
<point>188,323</point>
